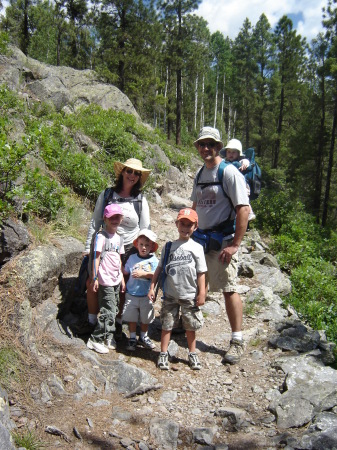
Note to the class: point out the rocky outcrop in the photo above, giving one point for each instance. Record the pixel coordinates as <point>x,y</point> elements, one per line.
<point>64,87</point>
<point>14,238</point>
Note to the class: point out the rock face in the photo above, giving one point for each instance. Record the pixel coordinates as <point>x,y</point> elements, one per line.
<point>62,86</point>
<point>13,239</point>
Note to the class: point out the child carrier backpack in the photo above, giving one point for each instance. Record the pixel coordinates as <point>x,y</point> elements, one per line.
<point>253,174</point>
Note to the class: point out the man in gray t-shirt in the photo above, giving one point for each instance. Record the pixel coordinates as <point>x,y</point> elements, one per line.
<point>215,206</point>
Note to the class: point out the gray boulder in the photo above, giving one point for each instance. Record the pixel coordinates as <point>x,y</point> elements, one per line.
<point>14,238</point>
<point>41,268</point>
<point>60,86</point>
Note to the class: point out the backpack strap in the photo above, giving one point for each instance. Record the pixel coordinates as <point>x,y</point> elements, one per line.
<point>137,202</point>
<point>166,255</point>
<point>163,274</point>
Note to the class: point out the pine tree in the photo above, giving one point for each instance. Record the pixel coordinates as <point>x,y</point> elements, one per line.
<point>174,12</point>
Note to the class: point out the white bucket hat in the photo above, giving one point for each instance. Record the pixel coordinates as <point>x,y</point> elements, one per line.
<point>233,144</point>
<point>135,164</point>
<point>150,235</point>
<point>208,133</point>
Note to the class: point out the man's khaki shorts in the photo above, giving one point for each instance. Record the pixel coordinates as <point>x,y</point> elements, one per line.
<point>221,276</point>
<point>191,315</point>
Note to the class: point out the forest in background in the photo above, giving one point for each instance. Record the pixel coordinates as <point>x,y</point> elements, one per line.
<point>267,87</point>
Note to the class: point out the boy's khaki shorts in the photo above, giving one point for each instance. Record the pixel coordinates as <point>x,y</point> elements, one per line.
<point>192,318</point>
<point>221,276</point>
<point>138,308</point>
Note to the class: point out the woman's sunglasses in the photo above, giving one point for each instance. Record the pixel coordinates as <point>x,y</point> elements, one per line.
<point>131,171</point>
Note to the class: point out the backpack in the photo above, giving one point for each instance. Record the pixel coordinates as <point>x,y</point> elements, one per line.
<point>227,226</point>
<point>108,247</point>
<point>253,174</point>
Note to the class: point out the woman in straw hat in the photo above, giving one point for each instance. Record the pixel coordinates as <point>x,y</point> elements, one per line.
<point>130,178</point>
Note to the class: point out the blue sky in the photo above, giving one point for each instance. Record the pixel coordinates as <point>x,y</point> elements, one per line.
<point>228,16</point>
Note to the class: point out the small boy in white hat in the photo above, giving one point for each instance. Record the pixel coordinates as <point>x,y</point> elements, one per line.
<point>140,267</point>
<point>233,154</point>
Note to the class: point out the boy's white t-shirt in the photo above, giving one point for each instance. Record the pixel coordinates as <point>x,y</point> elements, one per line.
<point>109,271</point>
<point>185,261</point>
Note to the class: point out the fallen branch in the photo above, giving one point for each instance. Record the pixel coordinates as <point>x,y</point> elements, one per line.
<point>53,430</point>
<point>142,389</point>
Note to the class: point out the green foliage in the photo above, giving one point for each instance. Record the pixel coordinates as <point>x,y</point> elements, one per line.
<point>307,252</point>
<point>41,195</point>
<point>4,41</point>
<point>12,163</point>
<point>28,440</point>
<point>314,285</point>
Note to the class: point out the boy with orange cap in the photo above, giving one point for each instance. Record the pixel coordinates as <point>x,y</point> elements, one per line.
<point>184,287</point>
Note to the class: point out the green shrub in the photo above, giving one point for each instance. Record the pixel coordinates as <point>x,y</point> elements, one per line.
<point>314,287</point>
<point>41,195</point>
<point>4,41</point>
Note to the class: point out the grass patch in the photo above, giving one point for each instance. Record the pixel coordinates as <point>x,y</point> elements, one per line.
<point>9,366</point>
<point>28,440</point>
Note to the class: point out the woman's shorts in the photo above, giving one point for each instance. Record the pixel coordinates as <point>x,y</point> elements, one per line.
<point>222,276</point>
<point>191,315</point>
<point>138,308</point>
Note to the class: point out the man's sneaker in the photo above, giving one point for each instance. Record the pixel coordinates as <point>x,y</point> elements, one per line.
<point>194,361</point>
<point>97,346</point>
<point>163,363</point>
<point>146,342</point>
<point>83,327</point>
<point>118,332</point>
<point>132,345</point>
<point>110,343</point>
<point>234,353</point>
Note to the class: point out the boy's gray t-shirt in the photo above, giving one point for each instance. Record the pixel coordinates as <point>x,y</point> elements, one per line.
<point>185,261</point>
<point>212,206</point>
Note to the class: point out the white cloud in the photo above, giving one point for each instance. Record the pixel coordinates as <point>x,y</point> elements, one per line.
<point>228,16</point>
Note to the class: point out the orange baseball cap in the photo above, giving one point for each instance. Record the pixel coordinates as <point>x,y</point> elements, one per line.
<point>189,214</point>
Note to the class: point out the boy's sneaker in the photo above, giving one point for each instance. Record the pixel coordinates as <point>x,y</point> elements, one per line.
<point>194,361</point>
<point>132,344</point>
<point>163,363</point>
<point>97,346</point>
<point>110,343</point>
<point>146,342</point>
<point>234,353</point>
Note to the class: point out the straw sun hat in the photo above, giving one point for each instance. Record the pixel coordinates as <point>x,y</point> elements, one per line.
<point>134,164</point>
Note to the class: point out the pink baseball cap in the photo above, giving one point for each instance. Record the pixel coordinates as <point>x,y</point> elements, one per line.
<point>113,210</point>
